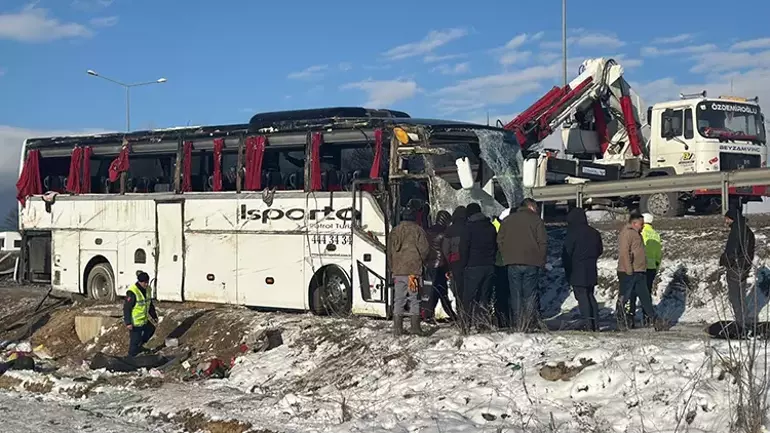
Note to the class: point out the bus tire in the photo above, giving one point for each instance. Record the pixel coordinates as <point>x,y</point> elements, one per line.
<point>101,283</point>
<point>663,204</point>
<point>331,292</point>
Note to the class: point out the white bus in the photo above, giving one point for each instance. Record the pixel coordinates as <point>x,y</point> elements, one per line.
<point>307,233</point>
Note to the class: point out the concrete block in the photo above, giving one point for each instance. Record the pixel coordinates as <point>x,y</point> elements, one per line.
<point>89,327</point>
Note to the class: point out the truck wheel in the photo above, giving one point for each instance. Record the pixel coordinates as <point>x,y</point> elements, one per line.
<point>101,283</point>
<point>662,204</point>
<point>332,293</point>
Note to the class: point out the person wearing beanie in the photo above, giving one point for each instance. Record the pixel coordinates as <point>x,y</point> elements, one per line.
<point>408,253</point>
<point>653,248</point>
<point>737,260</point>
<point>137,311</point>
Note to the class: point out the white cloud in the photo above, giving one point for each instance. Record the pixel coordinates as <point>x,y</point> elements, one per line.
<point>514,57</point>
<point>752,44</point>
<point>309,72</point>
<point>434,39</point>
<point>91,5</point>
<point>755,82</point>
<point>512,53</point>
<point>689,49</point>
<point>676,39</point>
<point>502,88</point>
<point>587,39</point>
<point>33,24</point>
<point>456,69</point>
<point>432,58</point>
<point>725,61</point>
<point>385,92</point>
<point>104,21</point>
<point>345,66</point>
<point>516,42</point>
<point>627,62</point>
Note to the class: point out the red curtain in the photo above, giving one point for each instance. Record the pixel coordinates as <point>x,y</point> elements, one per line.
<point>374,172</point>
<point>119,164</point>
<point>315,161</point>
<point>73,179</point>
<point>85,182</point>
<point>187,166</point>
<point>219,144</point>
<point>29,180</point>
<point>255,152</point>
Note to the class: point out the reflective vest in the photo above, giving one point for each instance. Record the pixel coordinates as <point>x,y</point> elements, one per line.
<point>499,256</point>
<point>141,311</point>
<point>653,248</point>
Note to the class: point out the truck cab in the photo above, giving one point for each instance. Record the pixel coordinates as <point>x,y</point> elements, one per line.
<point>702,135</point>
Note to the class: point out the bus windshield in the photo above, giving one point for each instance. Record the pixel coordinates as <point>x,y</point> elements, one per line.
<point>492,154</point>
<point>729,120</point>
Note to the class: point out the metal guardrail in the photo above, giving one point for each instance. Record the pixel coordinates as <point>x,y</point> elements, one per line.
<point>687,182</point>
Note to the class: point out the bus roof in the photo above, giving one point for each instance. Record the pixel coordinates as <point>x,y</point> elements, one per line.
<point>269,123</point>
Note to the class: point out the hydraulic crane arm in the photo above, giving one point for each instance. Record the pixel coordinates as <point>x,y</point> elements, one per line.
<point>599,100</point>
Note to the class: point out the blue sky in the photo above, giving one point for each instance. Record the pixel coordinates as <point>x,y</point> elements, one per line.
<point>439,59</point>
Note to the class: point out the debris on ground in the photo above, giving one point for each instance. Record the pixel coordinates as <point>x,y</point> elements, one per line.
<point>562,371</point>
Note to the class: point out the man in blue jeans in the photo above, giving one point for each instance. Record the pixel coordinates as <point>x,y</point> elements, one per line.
<point>523,244</point>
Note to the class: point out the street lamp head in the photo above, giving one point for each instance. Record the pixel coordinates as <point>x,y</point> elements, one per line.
<point>92,72</point>
<point>161,80</point>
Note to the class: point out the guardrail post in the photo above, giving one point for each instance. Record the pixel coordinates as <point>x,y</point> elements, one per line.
<point>579,196</point>
<point>725,191</point>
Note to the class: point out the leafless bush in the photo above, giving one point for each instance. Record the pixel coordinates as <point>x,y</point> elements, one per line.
<point>745,358</point>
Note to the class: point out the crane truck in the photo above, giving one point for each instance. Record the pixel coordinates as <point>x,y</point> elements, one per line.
<point>607,134</point>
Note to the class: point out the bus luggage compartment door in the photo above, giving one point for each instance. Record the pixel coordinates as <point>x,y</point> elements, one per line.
<point>170,255</point>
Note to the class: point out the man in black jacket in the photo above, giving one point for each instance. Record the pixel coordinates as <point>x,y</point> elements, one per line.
<point>137,311</point>
<point>437,270</point>
<point>737,260</point>
<point>581,250</point>
<point>478,247</point>
<point>451,249</point>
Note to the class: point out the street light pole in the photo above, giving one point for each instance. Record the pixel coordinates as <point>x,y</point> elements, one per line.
<point>128,91</point>
<point>564,38</point>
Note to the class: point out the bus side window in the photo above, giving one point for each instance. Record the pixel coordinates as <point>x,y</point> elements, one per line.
<point>150,173</point>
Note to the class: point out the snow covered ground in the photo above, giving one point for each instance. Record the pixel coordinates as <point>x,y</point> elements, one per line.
<point>352,376</point>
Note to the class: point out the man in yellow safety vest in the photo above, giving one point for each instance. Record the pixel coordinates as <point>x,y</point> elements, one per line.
<point>137,311</point>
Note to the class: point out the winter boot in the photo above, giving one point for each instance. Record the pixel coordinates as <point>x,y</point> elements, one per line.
<point>661,324</point>
<point>415,328</point>
<point>398,325</point>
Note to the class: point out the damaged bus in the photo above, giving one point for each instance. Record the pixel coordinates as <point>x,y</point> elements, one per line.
<point>290,211</point>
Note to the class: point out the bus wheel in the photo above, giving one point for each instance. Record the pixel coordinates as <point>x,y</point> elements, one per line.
<point>101,283</point>
<point>332,293</point>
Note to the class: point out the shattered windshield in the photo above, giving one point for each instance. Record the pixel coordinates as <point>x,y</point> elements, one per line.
<point>730,120</point>
<point>502,157</point>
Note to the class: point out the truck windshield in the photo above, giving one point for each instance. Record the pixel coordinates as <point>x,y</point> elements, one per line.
<point>731,121</point>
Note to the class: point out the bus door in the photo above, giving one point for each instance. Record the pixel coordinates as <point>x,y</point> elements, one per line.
<point>371,293</point>
<point>169,234</point>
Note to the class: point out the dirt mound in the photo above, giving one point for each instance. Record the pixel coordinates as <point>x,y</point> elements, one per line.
<point>58,333</point>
